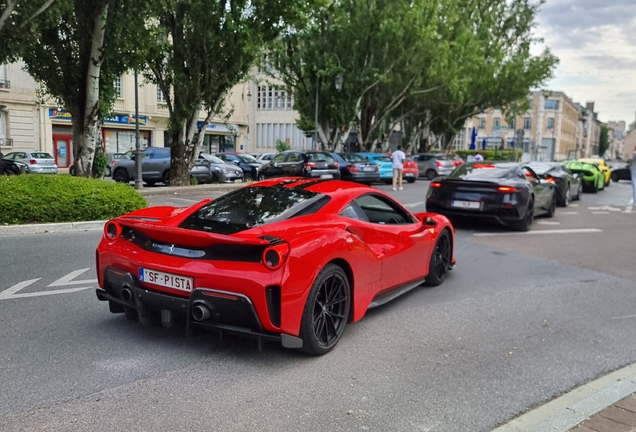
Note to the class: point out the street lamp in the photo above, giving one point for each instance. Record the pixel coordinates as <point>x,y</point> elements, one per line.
<point>338,83</point>
<point>139,184</point>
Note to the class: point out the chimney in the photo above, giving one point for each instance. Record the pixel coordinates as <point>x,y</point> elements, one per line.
<point>589,106</point>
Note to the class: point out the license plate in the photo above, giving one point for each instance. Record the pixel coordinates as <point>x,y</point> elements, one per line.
<point>368,169</point>
<point>466,204</point>
<point>167,280</point>
<point>409,175</point>
<point>327,176</point>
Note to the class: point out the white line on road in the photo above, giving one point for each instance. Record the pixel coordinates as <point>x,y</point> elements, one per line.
<point>415,204</point>
<point>561,231</point>
<point>568,213</point>
<point>548,223</point>
<point>10,292</point>
<point>601,212</point>
<point>630,205</point>
<point>68,279</point>
<point>573,205</point>
<point>624,316</point>
<point>43,293</point>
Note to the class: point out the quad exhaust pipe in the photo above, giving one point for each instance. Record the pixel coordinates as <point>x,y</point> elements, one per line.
<point>126,294</point>
<point>200,313</point>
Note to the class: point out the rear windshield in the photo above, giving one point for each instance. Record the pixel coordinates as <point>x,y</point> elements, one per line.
<point>349,157</point>
<point>541,169</point>
<point>382,158</point>
<point>41,156</point>
<point>252,206</point>
<point>482,172</point>
<point>440,157</point>
<point>320,157</point>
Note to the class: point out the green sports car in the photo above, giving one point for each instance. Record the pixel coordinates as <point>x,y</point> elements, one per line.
<point>593,178</point>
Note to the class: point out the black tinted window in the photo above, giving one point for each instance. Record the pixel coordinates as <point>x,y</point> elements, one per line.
<point>250,207</point>
<point>161,154</point>
<point>320,157</point>
<point>352,158</point>
<point>379,211</point>
<point>483,172</point>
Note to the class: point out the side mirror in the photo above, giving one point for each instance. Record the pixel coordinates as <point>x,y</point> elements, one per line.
<point>429,221</point>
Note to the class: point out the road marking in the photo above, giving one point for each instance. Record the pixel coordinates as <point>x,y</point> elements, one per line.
<point>43,293</point>
<point>630,205</point>
<point>562,231</point>
<point>68,279</point>
<point>600,212</point>
<point>415,204</point>
<point>568,213</point>
<point>573,205</point>
<point>605,208</point>
<point>548,223</point>
<point>17,287</point>
<point>624,316</point>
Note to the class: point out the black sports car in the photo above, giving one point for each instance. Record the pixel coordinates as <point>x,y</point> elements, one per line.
<point>621,172</point>
<point>568,185</point>
<point>508,192</point>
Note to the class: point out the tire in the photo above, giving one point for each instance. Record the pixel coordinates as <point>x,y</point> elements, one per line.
<point>615,178</point>
<point>261,176</point>
<point>440,262</point>
<point>150,182</point>
<point>578,192</point>
<point>603,184</point>
<point>248,177</point>
<point>565,200</point>
<point>388,181</point>
<point>524,224</point>
<point>552,208</point>
<point>71,170</point>
<point>108,172</point>
<point>121,176</point>
<point>410,180</point>
<point>431,174</point>
<point>165,178</point>
<point>324,321</point>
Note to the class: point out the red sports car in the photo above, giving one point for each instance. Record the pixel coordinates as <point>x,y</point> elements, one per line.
<point>287,259</point>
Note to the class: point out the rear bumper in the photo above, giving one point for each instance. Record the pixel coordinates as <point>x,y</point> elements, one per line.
<point>228,311</point>
<point>501,213</point>
<point>363,176</point>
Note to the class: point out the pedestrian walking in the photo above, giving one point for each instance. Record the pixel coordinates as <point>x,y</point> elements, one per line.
<point>398,157</point>
<point>632,169</point>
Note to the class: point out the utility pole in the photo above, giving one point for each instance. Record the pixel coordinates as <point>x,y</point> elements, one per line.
<point>139,184</point>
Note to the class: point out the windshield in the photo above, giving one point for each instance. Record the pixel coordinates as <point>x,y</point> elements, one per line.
<point>349,157</point>
<point>249,158</point>
<point>249,207</point>
<point>482,172</point>
<point>212,158</point>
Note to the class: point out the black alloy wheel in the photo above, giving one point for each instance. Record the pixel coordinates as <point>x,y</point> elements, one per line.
<point>326,311</point>
<point>165,179</point>
<point>440,260</point>
<point>121,176</point>
<point>524,224</point>
<point>431,174</point>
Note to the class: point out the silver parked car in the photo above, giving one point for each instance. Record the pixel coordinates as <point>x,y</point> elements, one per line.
<point>221,172</point>
<point>112,158</point>
<point>155,168</point>
<point>432,165</point>
<point>35,161</point>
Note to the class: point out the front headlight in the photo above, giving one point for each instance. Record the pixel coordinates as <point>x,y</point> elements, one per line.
<point>220,170</point>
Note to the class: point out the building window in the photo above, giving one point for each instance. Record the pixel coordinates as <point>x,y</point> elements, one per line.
<point>289,101</point>
<point>119,88</point>
<point>3,76</point>
<point>258,97</point>
<point>513,125</point>
<point>160,97</point>
<point>269,98</point>
<point>551,104</point>
<point>3,125</point>
<point>550,123</point>
<point>482,123</point>
<point>275,99</point>
<point>497,122</point>
<point>527,123</point>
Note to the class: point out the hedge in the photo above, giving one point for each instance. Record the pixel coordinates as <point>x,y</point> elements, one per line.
<point>40,198</point>
<point>488,154</point>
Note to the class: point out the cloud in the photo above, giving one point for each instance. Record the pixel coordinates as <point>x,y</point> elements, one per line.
<point>594,40</point>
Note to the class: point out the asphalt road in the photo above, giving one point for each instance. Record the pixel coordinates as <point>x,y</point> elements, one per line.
<point>521,319</point>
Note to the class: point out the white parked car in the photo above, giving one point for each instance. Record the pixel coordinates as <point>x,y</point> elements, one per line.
<point>35,161</point>
<point>263,158</point>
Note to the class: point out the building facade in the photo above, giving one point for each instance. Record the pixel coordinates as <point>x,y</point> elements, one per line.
<point>27,124</point>
<point>616,134</point>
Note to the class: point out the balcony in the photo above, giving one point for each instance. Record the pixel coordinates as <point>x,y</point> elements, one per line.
<point>5,84</point>
<point>6,142</point>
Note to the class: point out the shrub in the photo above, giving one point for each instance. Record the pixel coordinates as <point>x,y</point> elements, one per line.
<point>36,198</point>
<point>282,146</point>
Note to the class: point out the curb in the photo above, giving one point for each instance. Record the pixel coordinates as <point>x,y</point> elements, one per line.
<point>569,410</point>
<point>190,190</point>
<point>52,227</point>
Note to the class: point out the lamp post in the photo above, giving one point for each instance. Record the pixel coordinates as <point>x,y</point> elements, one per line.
<point>139,184</point>
<point>338,84</point>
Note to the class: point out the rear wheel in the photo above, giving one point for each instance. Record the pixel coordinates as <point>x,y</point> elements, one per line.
<point>326,311</point>
<point>615,178</point>
<point>567,197</point>
<point>553,206</point>
<point>150,182</point>
<point>440,260</point>
<point>524,224</point>
<point>431,174</point>
<point>579,191</point>
<point>121,176</point>
<point>165,179</point>
<point>261,176</point>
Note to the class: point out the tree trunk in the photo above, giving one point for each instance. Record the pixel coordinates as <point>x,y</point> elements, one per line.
<point>90,128</point>
<point>179,169</point>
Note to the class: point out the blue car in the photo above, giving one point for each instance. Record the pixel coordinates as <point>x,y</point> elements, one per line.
<point>384,164</point>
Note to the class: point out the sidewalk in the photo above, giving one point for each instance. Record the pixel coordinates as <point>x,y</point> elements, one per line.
<point>607,404</point>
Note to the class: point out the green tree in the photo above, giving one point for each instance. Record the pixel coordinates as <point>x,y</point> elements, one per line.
<point>76,50</point>
<point>199,50</point>
<point>16,17</point>
<point>603,143</point>
<point>281,146</point>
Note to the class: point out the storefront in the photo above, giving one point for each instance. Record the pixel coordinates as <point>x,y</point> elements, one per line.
<point>219,138</point>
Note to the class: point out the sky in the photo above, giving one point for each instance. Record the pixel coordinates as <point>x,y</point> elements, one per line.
<point>595,41</point>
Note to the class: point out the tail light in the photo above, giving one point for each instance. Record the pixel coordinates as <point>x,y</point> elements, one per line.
<point>32,161</point>
<point>506,189</point>
<point>483,166</point>
<point>438,163</point>
<point>436,184</point>
<point>112,230</point>
<point>309,166</point>
<point>549,178</point>
<point>352,168</point>
<point>336,164</point>
<point>275,256</point>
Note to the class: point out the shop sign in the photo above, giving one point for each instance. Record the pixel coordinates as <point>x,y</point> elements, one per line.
<point>58,114</point>
<point>219,127</point>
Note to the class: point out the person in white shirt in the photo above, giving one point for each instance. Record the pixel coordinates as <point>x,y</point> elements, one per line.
<point>398,157</point>
<point>478,158</point>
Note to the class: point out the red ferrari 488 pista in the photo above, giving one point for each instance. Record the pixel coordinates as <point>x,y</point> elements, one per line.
<point>289,259</point>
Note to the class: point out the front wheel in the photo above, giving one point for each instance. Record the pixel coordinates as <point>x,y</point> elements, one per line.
<point>121,176</point>
<point>261,176</point>
<point>248,177</point>
<point>108,172</point>
<point>326,311</point>
<point>440,260</point>
<point>165,179</point>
